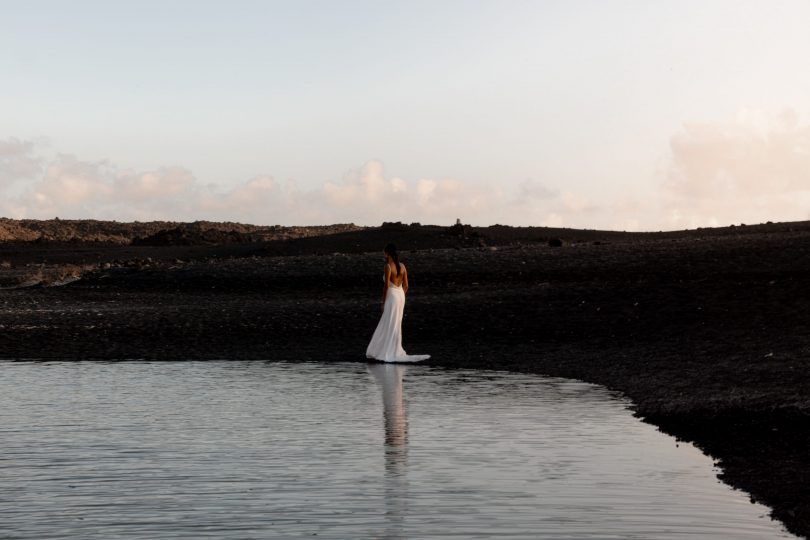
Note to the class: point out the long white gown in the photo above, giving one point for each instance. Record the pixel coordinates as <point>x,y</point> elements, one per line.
<point>386,343</point>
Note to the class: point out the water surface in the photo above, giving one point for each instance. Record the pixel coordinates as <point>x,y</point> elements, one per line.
<point>269,450</point>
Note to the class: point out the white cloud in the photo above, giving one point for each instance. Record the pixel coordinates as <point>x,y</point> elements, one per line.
<point>164,183</point>
<point>754,169</point>
<point>68,187</point>
<point>17,161</point>
<point>71,188</point>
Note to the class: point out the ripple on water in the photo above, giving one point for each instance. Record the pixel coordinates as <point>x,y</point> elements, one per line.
<point>260,450</point>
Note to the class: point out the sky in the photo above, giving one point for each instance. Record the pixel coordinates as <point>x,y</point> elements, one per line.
<point>626,115</point>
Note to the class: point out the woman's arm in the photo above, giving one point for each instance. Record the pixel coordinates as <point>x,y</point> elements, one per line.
<point>404,279</point>
<point>387,277</point>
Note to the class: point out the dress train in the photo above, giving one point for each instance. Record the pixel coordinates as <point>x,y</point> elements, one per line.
<point>386,343</point>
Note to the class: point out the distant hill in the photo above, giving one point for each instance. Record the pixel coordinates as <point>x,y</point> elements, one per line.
<point>153,232</point>
<point>346,237</point>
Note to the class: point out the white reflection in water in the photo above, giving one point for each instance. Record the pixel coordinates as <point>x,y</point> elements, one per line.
<point>395,422</point>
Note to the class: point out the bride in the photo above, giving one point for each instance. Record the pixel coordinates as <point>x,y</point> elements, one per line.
<point>386,343</point>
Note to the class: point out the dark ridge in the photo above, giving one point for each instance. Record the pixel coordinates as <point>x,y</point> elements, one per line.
<point>180,236</point>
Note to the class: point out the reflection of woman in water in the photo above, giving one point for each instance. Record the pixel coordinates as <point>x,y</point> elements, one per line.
<point>386,343</point>
<point>396,423</point>
<point>395,419</point>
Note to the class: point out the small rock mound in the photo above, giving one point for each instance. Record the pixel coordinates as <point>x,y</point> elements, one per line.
<point>180,236</point>
<point>466,235</point>
<point>394,226</point>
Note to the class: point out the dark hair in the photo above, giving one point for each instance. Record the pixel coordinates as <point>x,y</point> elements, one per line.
<point>391,249</point>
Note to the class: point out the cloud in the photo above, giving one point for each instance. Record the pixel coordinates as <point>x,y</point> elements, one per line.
<point>17,161</point>
<point>366,195</point>
<point>71,188</point>
<point>165,183</point>
<point>530,189</point>
<point>754,169</point>
<point>576,203</point>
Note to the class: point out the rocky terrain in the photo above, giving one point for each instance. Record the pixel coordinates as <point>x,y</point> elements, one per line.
<point>87,231</point>
<point>706,331</point>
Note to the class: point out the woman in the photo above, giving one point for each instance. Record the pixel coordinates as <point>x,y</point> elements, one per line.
<point>386,343</point>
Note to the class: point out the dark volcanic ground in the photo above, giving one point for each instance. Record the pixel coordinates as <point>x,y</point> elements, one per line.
<point>707,331</point>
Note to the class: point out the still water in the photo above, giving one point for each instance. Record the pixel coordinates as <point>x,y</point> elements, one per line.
<point>268,450</point>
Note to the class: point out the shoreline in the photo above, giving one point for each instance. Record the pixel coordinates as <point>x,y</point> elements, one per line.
<point>706,332</point>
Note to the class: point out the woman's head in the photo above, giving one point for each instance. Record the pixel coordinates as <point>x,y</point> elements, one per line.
<point>391,251</point>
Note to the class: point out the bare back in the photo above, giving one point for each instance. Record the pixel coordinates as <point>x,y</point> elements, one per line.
<point>393,278</point>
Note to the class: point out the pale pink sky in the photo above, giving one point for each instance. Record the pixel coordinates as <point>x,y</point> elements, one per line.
<point>619,114</point>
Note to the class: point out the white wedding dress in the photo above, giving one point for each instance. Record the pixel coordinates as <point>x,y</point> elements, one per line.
<point>386,343</point>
